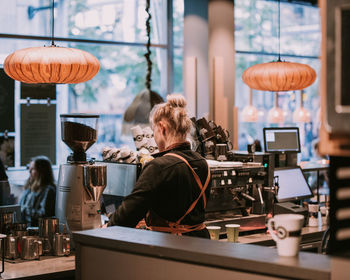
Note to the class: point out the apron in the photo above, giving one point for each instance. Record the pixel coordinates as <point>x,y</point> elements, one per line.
<point>154,222</point>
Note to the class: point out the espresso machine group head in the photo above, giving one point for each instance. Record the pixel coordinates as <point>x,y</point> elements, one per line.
<point>80,182</point>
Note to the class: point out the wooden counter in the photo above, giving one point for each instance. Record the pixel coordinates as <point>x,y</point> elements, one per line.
<point>129,253</point>
<point>48,267</point>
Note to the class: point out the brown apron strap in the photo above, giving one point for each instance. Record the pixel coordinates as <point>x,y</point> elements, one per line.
<point>178,229</point>
<point>199,183</point>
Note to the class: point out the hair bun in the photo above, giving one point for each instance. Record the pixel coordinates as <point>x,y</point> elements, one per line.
<point>176,100</point>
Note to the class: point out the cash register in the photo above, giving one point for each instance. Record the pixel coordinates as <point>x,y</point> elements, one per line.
<point>284,143</point>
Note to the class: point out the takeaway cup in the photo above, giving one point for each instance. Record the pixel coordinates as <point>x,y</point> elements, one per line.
<point>285,230</point>
<point>214,232</point>
<point>232,231</point>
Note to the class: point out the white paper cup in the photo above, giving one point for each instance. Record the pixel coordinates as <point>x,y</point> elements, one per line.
<point>285,230</point>
<point>136,131</point>
<point>232,231</point>
<point>214,232</point>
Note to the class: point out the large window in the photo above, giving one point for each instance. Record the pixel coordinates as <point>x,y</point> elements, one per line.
<point>112,30</point>
<point>256,39</point>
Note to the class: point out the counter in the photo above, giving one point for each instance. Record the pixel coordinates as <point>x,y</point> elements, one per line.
<point>138,254</point>
<point>49,267</point>
<point>311,237</point>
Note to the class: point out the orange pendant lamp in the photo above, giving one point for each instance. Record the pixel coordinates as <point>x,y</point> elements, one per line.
<point>51,64</point>
<point>279,75</point>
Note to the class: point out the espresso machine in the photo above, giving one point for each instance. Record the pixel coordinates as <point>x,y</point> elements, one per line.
<point>236,194</point>
<point>80,182</point>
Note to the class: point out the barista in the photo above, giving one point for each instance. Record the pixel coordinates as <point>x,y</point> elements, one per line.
<point>172,190</point>
<point>39,197</point>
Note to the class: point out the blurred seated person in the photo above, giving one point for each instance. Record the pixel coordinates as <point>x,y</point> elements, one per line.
<point>4,185</point>
<point>39,197</point>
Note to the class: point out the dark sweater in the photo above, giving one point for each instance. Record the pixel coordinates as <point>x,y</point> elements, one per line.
<point>167,187</point>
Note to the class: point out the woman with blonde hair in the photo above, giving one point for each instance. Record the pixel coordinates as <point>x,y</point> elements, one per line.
<point>39,197</point>
<point>172,190</point>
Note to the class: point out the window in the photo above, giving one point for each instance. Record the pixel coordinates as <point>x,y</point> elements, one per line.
<point>256,38</point>
<point>112,30</point>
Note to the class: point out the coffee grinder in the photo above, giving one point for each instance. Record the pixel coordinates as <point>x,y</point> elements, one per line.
<point>80,182</point>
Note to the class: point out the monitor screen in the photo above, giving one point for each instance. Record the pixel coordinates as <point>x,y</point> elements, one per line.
<point>292,184</point>
<point>281,139</point>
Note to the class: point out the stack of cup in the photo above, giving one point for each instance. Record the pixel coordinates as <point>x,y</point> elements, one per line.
<point>214,232</point>
<point>232,231</point>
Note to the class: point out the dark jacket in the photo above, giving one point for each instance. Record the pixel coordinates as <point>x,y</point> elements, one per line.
<point>35,205</point>
<point>167,187</point>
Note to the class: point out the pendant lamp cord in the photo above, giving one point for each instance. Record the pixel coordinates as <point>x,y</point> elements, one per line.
<point>279,30</point>
<point>148,47</point>
<point>52,23</point>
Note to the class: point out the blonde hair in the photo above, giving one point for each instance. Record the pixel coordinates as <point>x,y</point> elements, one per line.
<point>174,113</point>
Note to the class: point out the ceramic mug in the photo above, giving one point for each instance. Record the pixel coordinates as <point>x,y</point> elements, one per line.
<point>285,230</point>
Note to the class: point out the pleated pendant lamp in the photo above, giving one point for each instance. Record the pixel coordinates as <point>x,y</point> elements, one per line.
<point>279,75</point>
<point>51,64</point>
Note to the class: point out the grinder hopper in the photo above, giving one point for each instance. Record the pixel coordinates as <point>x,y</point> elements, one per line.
<point>79,132</point>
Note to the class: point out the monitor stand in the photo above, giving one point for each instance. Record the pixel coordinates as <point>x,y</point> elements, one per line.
<point>288,159</point>
<point>291,208</point>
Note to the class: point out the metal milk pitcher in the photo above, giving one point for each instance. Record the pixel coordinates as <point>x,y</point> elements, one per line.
<point>31,248</point>
<point>61,244</point>
<point>11,247</point>
<point>48,227</point>
<point>6,220</point>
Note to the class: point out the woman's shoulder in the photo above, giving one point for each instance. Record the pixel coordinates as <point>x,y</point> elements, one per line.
<point>190,155</point>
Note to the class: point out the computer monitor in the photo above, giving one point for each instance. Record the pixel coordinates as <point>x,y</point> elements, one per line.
<point>281,139</point>
<point>292,184</point>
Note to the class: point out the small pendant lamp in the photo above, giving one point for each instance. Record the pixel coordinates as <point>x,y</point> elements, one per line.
<point>301,115</point>
<point>275,115</point>
<point>51,64</point>
<point>279,75</point>
<point>249,112</point>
